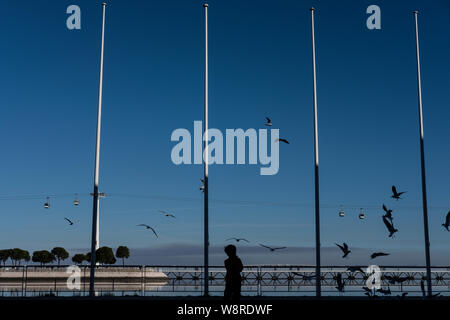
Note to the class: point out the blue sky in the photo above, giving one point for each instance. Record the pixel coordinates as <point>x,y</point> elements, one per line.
<point>260,65</point>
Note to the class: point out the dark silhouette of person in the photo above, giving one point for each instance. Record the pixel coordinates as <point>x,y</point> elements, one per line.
<point>234,266</point>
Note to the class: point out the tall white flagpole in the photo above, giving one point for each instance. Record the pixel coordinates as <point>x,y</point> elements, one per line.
<point>95,211</point>
<point>316,161</point>
<point>422,158</point>
<point>206,138</point>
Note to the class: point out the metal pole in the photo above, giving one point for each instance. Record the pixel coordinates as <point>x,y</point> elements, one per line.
<point>422,158</point>
<point>95,216</point>
<point>316,161</point>
<point>206,138</point>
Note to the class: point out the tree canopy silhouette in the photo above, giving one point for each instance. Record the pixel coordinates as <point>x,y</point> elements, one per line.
<point>60,254</point>
<point>43,257</point>
<point>79,258</point>
<point>123,253</point>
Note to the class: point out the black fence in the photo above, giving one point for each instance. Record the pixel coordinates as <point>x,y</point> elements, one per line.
<point>267,280</point>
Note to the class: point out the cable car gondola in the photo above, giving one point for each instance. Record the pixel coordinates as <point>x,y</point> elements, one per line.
<point>47,203</point>
<point>361,214</point>
<point>341,212</point>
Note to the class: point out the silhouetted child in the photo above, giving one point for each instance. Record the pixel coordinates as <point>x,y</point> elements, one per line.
<point>233,278</point>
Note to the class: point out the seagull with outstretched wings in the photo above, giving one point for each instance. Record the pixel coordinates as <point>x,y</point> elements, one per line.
<point>271,248</point>
<point>344,249</point>
<point>389,226</point>
<point>396,195</point>
<point>269,122</point>
<point>148,227</point>
<point>238,239</point>
<point>282,140</point>
<point>167,214</point>
<point>378,254</point>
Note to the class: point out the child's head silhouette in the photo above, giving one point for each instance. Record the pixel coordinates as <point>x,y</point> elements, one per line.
<point>230,250</point>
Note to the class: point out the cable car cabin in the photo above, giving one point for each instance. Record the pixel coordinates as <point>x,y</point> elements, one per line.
<point>76,201</point>
<point>362,215</point>
<point>47,203</point>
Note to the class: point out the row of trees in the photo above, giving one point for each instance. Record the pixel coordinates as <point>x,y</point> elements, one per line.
<point>104,255</point>
<point>16,255</point>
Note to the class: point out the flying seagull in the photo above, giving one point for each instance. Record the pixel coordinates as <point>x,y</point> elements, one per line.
<point>344,249</point>
<point>378,254</point>
<point>167,214</point>
<point>238,239</point>
<point>355,269</point>
<point>396,195</point>
<point>69,221</point>
<point>389,226</point>
<point>447,221</point>
<point>272,249</point>
<point>388,213</point>
<point>339,282</point>
<point>282,140</point>
<point>269,122</point>
<point>148,227</point>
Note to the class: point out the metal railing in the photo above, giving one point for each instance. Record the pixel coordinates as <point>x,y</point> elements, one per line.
<point>265,280</point>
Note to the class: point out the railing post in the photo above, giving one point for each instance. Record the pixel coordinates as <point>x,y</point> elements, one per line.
<point>142,280</point>
<point>26,279</point>
<point>289,282</point>
<point>23,278</point>
<point>259,281</point>
<point>84,280</point>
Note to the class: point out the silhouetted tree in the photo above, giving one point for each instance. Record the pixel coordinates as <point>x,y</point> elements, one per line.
<point>43,257</point>
<point>79,258</point>
<point>60,254</point>
<point>105,255</point>
<point>17,255</point>
<point>123,253</point>
<point>5,255</point>
<point>25,256</point>
<point>14,255</point>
